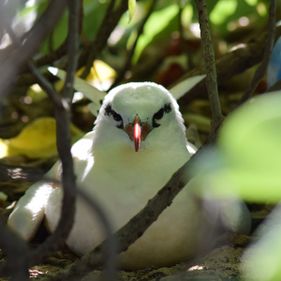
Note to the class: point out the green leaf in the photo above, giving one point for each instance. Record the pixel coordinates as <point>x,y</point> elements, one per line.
<point>132,8</point>
<point>92,93</point>
<point>94,12</point>
<point>33,141</point>
<point>181,88</point>
<point>164,19</point>
<point>247,161</point>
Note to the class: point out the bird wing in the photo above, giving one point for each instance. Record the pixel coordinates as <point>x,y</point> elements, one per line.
<point>29,211</point>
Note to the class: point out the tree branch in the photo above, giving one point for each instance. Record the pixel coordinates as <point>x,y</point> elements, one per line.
<point>62,114</point>
<point>210,67</point>
<point>31,41</point>
<point>135,228</point>
<point>109,22</point>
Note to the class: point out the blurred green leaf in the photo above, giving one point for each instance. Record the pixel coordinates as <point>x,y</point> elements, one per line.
<point>93,14</point>
<point>132,7</point>
<point>158,22</point>
<point>92,18</point>
<point>184,86</point>
<point>247,161</point>
<point>223,10</point>
<point>57,37</point>
<point>81,85</point>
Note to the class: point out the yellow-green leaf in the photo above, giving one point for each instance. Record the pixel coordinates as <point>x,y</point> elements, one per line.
<point>132,8</point>
<point>38,139</point>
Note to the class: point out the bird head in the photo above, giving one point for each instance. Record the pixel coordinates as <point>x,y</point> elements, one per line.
<point>140,114</point>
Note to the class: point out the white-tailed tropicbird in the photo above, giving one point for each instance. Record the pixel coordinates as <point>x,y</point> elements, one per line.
<point>138,142</point>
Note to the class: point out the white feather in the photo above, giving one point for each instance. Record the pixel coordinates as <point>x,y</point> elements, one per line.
<point>123,180</point>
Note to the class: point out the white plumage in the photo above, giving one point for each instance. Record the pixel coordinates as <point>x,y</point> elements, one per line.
<point>123,170</point>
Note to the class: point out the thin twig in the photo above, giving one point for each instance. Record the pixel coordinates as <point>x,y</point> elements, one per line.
<point>46,85</point>
<point>210,67</point>
<point>110,20</point>
<point>271,27</point>
<point>62,114</point>
<point>130,53</point>
<point>73,47</point>
<point>13,61</point>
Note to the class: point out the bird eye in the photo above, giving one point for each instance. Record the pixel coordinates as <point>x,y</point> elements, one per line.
<point>117,117</point>
<point>159,114</point>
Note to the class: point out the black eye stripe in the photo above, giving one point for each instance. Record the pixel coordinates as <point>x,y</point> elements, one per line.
<point>160,113</point>
<point>117,117</point>
<point>167,108</point>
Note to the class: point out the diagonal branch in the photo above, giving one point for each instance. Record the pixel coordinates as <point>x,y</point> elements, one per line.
<point>16,57</point>
<point>109,22</point>
<point>134,229</point>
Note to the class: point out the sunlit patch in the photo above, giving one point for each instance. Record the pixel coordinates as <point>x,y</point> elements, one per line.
<point>81,148</point>
<point>251,2</point>
<point>5,41</point>
<point>195,29</point>
<point>238,46</point>
<point>15,173</point>
<point>197,268</point>
<point>77,96</point>
<point>261,9</point>
<point>244,21</point>
<point>4,149</point>
<point>34,273</point>
<point>30,3</point>
<point>27,100</point>
<point>39,199</point>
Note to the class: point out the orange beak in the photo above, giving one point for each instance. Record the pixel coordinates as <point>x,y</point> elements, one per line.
<point>137,131</point>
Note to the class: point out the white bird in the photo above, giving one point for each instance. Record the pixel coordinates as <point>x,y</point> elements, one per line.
<point>138,142</point>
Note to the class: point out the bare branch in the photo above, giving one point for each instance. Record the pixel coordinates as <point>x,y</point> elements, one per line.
<point>210,67</point>
<point>32,40</point>
<point>135,228</point>
<point>62,115</point>
<point>109,22</point>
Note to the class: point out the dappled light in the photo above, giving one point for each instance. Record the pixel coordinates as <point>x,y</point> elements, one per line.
<point>140,140</point>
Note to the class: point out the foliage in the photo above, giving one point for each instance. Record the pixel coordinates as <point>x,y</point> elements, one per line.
<point>161,43</point>
<point>246,157</point>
